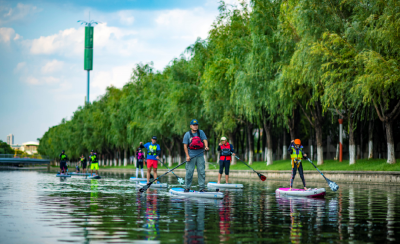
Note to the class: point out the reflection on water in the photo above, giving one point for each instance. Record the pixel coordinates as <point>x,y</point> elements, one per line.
<point>38,207</point>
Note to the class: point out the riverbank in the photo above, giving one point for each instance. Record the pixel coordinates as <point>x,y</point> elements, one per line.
<point>329,165</point>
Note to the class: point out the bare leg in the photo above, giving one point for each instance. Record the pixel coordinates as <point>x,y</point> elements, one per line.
<point>148,174</point>
<point>155,174</point>
<point>219,178</point>
<point>97,172</point>
<point>226,179</point>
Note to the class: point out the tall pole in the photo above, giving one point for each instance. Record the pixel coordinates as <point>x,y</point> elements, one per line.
<point>88,86</point>
<point>340,140</point>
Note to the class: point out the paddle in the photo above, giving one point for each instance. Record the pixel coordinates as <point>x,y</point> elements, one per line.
<point>331,184</point>
<point>144,188</point>
<point>180,180</point>
<point>262,177</point>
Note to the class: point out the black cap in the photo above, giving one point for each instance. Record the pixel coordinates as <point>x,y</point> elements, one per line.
<point>63,150</point>
<point>92,151</point>
<point>154,138</point>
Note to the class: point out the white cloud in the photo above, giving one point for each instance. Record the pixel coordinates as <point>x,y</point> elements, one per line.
<point>50,80</point>
<point>6,34</point>
<point>19,12</point>
<point>52,66</point>
<point>19,67</point>
<point>126,17</point>
<point>32,80</point>
<point>117,76</point>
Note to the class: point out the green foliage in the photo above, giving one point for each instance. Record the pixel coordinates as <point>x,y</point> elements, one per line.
<point>5,148</point>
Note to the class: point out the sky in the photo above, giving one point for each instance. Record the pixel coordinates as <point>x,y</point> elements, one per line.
<point>42,79</point>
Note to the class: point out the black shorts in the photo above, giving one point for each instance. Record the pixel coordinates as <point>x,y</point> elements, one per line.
<point>84,165</point>
<point>63,165</point>
<point>139,163</point>
<point>224,164</point>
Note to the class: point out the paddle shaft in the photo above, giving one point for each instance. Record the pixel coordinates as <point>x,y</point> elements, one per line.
<point>246,164</point>
<point>162,161</point>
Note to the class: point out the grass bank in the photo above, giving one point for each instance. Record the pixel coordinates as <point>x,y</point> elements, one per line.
<point>329,165</point>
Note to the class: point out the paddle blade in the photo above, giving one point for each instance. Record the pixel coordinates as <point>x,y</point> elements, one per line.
<point>332,185</point>
<point>262,177</point>
<point>144,188</point>
<point>181,181</point>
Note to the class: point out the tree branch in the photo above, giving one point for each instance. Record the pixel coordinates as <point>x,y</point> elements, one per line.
<point>377,111</point>
<point>309,120</point>
<point>394,112</point>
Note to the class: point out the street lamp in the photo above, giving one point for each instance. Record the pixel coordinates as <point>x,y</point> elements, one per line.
<point>88,57</point>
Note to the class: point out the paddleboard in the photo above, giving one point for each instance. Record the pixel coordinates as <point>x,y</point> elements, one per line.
<point>216,185</point>
<point>315,192</point>
<point>137,179</point>
<point>209,194</point>
<point>154,185</point>
<point>83,174</point>
<point>62,175</point>
<point>94,177</point>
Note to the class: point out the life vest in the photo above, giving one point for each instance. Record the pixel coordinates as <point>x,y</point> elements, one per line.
<point>225,152</point>
<point>152,150</point>
<point>63,158</point>
<point>296,158</point>
<point>140,156</point>
<point>195,141</point>
<point>94,158</point>
<point>82,159</point>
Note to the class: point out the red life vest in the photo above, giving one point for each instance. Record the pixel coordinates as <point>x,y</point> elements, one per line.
<point>195,141</point>
<point>225,149</point>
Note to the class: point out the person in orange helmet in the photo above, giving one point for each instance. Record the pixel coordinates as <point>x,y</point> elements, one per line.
<point>296,154</point>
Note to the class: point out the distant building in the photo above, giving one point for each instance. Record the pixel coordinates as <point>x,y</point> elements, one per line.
<point>29,147</point>
<point>10,139</point>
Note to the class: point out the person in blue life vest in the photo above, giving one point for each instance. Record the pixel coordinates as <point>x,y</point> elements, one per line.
<point>195,142</point>
<point>94,163</point>
<point>83,163</point>
<point>153,155</point>
<point>63,162</point>
<point>296,154</point>
<point>226,150</point>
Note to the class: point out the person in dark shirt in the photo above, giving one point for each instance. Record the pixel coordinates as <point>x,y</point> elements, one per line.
<point>63,162</point>
<point>83,163</point>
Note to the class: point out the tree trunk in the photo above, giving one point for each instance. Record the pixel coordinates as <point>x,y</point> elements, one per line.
<point>169,149</point>
<point>267,129</point>
<point>352,143</point>
<point>320,147</point>
<point>290,124</point>
<point>371,137</point>
<point>125,157</point>
<point>284,149</point>
<point>231,141</point>
<point>115,157</point>
<point>179,150</point>
<point>328,143</point>
<point>391,153</point>
<point>337,152</point>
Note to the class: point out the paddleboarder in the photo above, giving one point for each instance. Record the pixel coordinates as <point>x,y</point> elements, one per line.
<point>226,150</point>
<point>195,141</point>
<point>63,162</point>
<point>83,163</point>
<point>153,154</point>
<point>139,162</point>
<point>296,153</point>
<point>94,163</point>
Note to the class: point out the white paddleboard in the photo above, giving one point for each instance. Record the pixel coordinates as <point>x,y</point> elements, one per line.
<point>137,179</point>
<point>216,185</point>
<point>315,192</point>
<point>180,192</point>
<point>62,175</point>
<point>154,185</point>
<point>79,174</point>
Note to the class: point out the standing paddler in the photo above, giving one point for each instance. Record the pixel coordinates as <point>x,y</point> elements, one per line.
<point>194,142</point>
<point>296,153</point>
<point>83,163</point>
<point>226,150</point>
<point>63,163</point>
<point>94,163</point>
<point>153,155</point>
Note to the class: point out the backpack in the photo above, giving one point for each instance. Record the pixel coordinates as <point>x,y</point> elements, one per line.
<point>195,141</point>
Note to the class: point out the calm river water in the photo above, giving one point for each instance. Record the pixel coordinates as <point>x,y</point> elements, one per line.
<point>38,207</point>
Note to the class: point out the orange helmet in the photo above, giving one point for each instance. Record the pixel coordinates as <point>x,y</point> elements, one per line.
<point>297,141</point>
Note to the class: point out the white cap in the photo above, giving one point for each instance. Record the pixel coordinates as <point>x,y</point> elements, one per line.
<point>223,138</point>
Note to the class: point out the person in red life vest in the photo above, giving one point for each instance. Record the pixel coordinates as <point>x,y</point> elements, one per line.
<point>296,154</point>
<point>194,143</point>
<point>226,150</point>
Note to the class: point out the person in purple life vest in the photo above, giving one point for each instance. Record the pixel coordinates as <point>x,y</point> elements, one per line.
<point>139,162</point>
<point>194,142</point>
<point>226,150</point>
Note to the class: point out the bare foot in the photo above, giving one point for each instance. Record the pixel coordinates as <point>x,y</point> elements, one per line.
<point>290,188</point>
<point>305,188</point>
<point>218,183</point>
